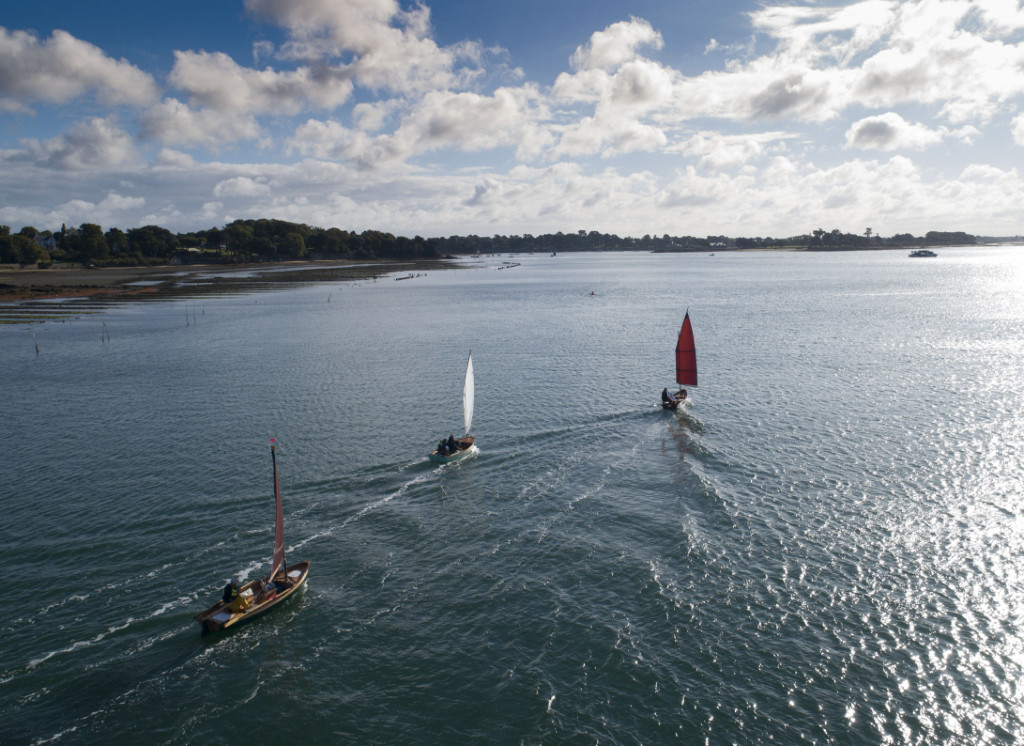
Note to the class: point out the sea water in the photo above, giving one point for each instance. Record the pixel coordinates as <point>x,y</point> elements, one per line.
<point>823,546</point>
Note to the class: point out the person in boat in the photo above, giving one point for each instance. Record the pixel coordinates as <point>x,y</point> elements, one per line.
<point>665,398</point>
<point>442,448</point>
<point>231,597</point>
<point>452,445</point>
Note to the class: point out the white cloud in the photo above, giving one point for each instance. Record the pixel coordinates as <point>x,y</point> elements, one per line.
<point>319,139</point>
<point>377,108</point>
<point>890,131</point>
<point>616,45</point>
<point>114,202</point>
<point>218,82</point>
<point>1018,129</point>
<point>93,144</point>
<point>719,151</point>
<point>175,123</point>
<point>63,68</point>
<point>241,186</point>
<point>468,122</point>
<point>174,159</point>
<point>877,53</point>
<point>391,47</point>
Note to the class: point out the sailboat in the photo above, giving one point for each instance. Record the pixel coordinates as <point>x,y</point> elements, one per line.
<point>455,448</point>
<point>241,603</point>
<point>686,366</point>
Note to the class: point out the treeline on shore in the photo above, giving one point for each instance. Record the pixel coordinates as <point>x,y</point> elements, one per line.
<point>278,240</point>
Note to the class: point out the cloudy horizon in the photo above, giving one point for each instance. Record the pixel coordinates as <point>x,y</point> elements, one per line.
<point>444,119</point>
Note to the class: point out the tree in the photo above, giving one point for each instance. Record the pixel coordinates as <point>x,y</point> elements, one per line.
<point>294,246</point>
<point>153,241</point>
<point>239,238</point>
<point>89,244</point>
<point>117,240</point>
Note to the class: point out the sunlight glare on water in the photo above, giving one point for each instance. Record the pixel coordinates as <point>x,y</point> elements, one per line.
<point>824,545</point>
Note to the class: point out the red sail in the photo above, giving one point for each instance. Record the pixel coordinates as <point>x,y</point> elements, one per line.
<point>686,355</point>
<point>278,562</point>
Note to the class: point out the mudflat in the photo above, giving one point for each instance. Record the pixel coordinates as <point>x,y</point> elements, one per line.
<point>63,282</point>
<point>17,284</point>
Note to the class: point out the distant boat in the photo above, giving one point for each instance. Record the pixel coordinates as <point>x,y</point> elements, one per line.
<point>242,603</point>
<point>686,366</point>
<point>456,448</point>
<point>922,253</point>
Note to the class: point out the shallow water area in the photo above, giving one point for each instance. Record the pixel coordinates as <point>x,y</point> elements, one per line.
<point>823,545</point>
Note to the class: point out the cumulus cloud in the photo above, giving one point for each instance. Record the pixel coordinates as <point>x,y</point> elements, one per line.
<point>93,144</point>
<point>719,151</point>
<point>625,89</point>
<point>218,82</point>
<point>174,159</point>
<point>391,48</point>
<point>469,121</point>
<point>175,123</point>
<point>465,121</point>
<point>890,131</point>
<point>1018,129</point>
<point>62,68</point>
<point>320,139</point>
<point>616,45</point>
<point>881,53</point>
<point>366,93</point>
<point>241,186</point>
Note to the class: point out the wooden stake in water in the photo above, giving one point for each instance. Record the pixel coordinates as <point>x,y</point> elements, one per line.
<point>34,341</point>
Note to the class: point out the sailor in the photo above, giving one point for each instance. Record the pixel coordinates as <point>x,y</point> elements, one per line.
<point>451,444</point>
<point>442,448</point>
<point>665,397</point>
<point>230,592</point>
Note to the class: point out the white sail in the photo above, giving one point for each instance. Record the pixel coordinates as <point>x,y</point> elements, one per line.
<point>467,395</point>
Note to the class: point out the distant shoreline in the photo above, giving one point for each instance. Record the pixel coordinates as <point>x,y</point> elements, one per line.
<point>84,282</point>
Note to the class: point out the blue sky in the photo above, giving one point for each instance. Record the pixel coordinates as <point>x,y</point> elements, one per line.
<point>460,117</point>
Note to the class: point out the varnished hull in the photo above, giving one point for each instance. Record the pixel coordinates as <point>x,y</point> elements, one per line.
<point>220,616</point>
<point>465,448</point>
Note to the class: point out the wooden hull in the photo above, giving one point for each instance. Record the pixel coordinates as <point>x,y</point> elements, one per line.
<point>259,595</point>
<point>465,446</point>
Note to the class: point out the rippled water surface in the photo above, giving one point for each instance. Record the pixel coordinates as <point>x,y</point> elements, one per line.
<point>824,546</point>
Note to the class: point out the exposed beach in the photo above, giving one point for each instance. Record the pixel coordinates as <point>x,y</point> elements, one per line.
<point>69,282</point>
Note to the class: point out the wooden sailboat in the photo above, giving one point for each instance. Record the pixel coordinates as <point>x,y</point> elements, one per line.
<point>686,366</point>
<point>455,448</point>
<point>242,603</point>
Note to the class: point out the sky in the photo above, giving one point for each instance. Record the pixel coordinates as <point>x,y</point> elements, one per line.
<point>459,117</point>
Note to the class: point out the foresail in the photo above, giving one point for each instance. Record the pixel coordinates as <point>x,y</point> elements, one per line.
<point>278,561</point>
<point>686,355</point>
<point>467,395</point>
